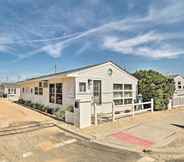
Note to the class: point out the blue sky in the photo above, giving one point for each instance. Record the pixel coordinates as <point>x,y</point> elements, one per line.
<point>136,34</point>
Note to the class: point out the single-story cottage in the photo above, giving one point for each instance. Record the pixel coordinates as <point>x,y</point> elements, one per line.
<point>10,91</point>
<point>101,83</point>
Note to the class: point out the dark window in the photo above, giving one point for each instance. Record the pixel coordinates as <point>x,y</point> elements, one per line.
<point>31,90</point>
<point>127,87</point>
<point>36,90</point>
<point>45,84</point>
<point>82,87</point>
<point>118,102</point>
<point>9,91</point>
<point>59,95</point>
<point>118,86</point>
<point>40,84</point>
<point>40,91</point>
<point>128,101</point>
<point>179,87</point>
<point>52,93</point>
<point>22,90</point>
<point>97,91</point>
<point>179,83</point>
<point>14,90</point>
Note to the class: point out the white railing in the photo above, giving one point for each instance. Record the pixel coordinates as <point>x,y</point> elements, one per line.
<point>176,101</point>
<point>135,108</point>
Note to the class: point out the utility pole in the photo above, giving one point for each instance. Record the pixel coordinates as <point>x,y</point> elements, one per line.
<point>7,79</point>
<point>55,68</point>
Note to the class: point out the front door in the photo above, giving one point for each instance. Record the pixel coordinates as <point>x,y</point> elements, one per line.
<point>97,91</point>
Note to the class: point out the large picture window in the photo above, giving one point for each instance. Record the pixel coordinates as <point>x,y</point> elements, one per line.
<point>122,94</point>
<point>56,93</point>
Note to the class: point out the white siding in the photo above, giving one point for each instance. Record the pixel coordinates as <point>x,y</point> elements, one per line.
<point>101,73</point>
<point>68,92</point>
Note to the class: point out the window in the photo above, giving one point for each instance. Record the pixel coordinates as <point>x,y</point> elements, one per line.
<point>36,90</point>
<point>31,90</point>
<point>127,87</point>
<point>40,84</point>
<point>97,91</point>
<point>82,87</point>
<point>22,90</point>
<point>122,94</point>
<point>40,91</point>
<point>118,86</point>
<point>179,85</point>
<point>59,95</point>
<point>14,90</point>
<point>52,93</point>
<point>9,91</point>
<point>128,101</point>
<point>56,93</point>
<point>118,102</point>
<point>128,94</point>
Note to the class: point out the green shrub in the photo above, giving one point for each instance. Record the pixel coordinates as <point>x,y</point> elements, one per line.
<point>28,103</point>
<point>21,101</point>
<point>154,85</point>
<point>60,113</point>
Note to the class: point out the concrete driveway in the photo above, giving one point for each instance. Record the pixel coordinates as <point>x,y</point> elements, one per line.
<point>148,134</point>
<point>27,136</point>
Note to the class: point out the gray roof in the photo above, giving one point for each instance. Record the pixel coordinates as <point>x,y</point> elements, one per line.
<point>176,75</point>
<point>74,70</point>
<point>9,85</point>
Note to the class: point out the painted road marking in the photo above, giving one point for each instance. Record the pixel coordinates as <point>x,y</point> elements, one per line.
<point>27,154</point>
<point>70,141</point>
<point>58,145</point>
<point>131,139</point>
<point>64,143</point>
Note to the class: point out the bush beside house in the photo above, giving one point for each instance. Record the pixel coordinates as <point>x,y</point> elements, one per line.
<point>154,85</point>
<point>57,112</point>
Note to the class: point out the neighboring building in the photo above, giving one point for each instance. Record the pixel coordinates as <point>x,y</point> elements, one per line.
<point>104,83</point>
<point>10,91</point>
<point>179,85</point>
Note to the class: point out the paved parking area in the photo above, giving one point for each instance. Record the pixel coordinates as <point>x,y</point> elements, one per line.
<point>27,136</point>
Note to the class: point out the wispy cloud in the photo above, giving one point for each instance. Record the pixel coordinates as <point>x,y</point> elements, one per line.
<point>112,31</point>
<point>149,45</point>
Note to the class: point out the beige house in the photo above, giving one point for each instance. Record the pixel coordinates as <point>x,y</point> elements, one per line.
<point>179,85</point>
<point>101,83</point>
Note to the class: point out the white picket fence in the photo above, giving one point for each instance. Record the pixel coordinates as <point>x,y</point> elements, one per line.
<point>176,101</point>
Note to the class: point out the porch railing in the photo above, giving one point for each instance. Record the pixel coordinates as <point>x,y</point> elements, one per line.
<point>118,111</point>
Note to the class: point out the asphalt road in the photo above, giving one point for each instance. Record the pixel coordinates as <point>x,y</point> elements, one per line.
<point>26,136</point>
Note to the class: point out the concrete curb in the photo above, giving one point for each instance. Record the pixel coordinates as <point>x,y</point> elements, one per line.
<point>116,146</point>
<point>80,135</point>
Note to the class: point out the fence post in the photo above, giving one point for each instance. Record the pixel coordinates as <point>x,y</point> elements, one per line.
<point>95,115</point>
<point>113,112</point>
<point>152,105</point>
<point>170,104</point>
<point>133,109</point>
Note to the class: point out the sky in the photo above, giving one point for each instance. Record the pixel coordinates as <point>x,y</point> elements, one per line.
<point>136,34</point>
